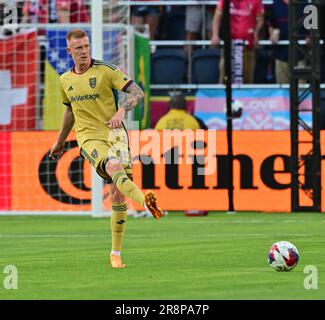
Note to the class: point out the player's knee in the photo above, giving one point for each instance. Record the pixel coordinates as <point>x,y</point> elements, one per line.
<point>112,165</point>
<point>116,196</point>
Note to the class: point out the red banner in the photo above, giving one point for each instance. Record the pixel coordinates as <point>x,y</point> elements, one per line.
<point>18,74</point>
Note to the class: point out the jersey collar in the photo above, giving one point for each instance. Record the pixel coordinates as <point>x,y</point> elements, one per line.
<point>91,64</point>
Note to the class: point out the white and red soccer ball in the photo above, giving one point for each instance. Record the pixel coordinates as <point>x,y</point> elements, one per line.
<point>283,256</point>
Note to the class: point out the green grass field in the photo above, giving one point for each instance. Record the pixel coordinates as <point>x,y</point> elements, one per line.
<point>219,256</point>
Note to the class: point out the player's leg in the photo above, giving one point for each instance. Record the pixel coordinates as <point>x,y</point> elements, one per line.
<point>118,167</point>
<point>152,19</point>
<point>105,159</point>
<point>118,224</point>
<point>282,71</point>
<point>137,15</point>
<point>192,24</point>
<point>222,68</point>
<point>249,65</point>
<point>127,187</point>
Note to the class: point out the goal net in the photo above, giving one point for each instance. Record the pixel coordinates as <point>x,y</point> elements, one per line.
<point>32,57</point>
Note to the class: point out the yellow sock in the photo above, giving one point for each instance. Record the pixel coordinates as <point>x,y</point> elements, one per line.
<point>118,224</point>
<point>127,187</point>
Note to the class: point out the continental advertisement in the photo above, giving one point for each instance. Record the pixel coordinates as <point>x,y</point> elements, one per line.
<point>186,169</point>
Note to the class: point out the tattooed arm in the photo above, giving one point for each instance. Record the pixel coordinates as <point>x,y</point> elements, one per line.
<point>134,98</point>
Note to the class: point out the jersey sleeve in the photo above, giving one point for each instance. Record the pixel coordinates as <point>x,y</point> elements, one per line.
<point>120,81</point>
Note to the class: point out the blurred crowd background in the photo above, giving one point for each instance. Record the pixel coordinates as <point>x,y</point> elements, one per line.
<point>254,22</point>
<point>259,27</point>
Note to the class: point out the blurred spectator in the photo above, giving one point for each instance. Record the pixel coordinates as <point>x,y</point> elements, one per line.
<point>35,11</point>
<point>247,19</point>
<point>141,15</point>
<point>264,55</point>
<point>198,23</point>
<point>72,11</point>
<point>178,117</point>
<point>52,11</point>
<point>279,30</point>
<point>172,23</point>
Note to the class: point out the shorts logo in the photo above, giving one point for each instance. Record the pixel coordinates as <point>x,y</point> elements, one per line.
<point>92,82</point>
<point>124,180</point>
<point>94,153</point>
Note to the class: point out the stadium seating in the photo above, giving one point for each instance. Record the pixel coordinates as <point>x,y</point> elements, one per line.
<point>205,65</point>
<point>168,66</point>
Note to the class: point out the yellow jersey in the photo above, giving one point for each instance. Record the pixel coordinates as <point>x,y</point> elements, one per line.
<point>93,96</point>
<point>177,119</point>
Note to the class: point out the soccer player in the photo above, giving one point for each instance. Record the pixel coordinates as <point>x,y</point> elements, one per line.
<point>90,93</point>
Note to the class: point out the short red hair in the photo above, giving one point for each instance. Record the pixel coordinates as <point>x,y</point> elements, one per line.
<point>76,33</point>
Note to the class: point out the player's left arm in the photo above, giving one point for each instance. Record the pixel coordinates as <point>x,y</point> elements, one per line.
<point>135,96</point>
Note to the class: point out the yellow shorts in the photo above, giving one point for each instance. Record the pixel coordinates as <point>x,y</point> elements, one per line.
<point>97,152</point>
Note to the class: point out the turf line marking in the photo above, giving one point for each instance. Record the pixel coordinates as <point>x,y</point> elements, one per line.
<point>52,235</point>
<point>230,235</point>
<point>244,221</point>
<point>220,235</point>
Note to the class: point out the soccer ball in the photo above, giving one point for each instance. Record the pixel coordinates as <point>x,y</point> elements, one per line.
<point>283,256</point>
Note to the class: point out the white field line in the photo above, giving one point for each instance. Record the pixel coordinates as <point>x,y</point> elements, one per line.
<point>245,221</point>
<point>218,235</point>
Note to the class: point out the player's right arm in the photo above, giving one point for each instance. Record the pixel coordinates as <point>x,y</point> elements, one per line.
<point>67,125</point>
